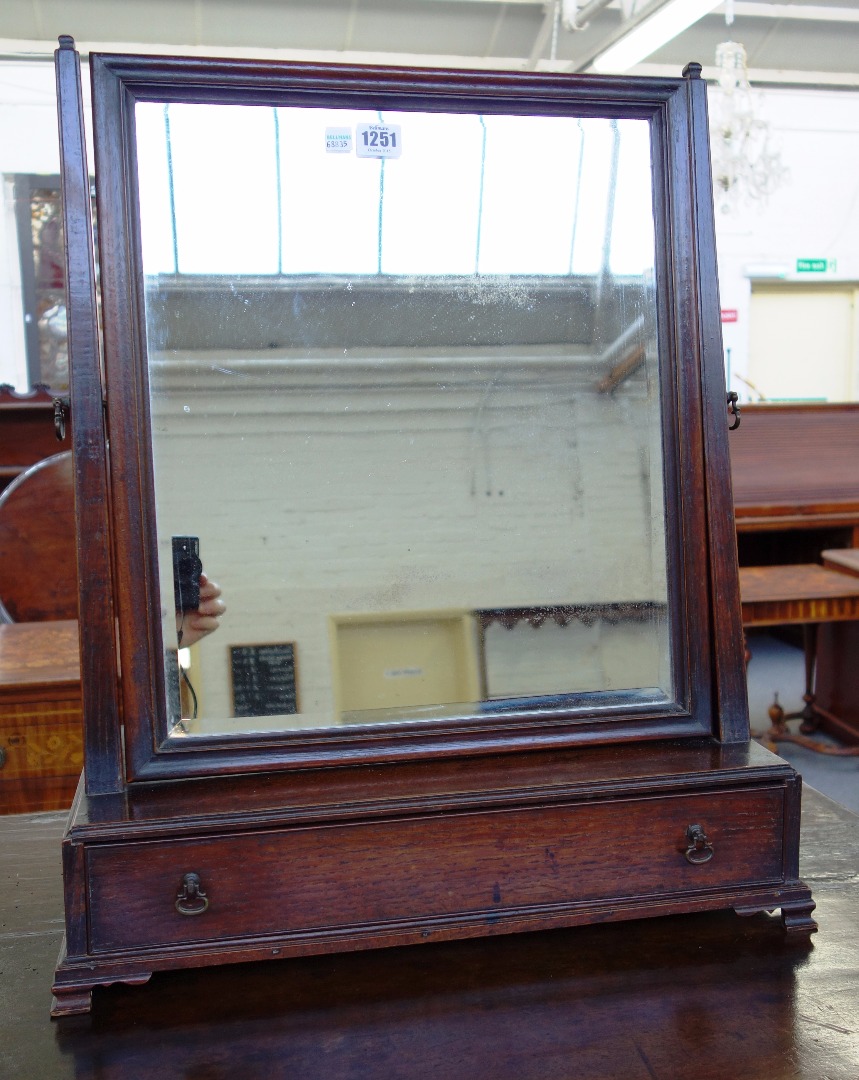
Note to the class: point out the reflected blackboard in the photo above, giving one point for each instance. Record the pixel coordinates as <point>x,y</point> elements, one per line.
<point>263,679</point>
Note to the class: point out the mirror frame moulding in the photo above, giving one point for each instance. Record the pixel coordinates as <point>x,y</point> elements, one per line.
<point>704,626</point>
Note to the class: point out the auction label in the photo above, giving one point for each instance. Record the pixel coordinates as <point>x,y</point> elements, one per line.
<point>338,140</point>
<point>378,140</point>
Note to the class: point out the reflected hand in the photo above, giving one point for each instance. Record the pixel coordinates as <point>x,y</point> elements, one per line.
<point>195,625</point>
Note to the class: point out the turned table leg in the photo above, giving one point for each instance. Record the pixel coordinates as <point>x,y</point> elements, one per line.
<point>807,713</point>
<point>778,731</point>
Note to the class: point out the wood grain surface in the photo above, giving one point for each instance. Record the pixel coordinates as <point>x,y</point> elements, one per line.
<point>795,466</point>
<point>772,595</point>
<point>846,560</point>
<point>41,656</point>
<point>41,721</point>
<point>468,860</point>
<point>38,563</point>
<point>692,997</point>
<point>836,685</point>
<point>27,430</point>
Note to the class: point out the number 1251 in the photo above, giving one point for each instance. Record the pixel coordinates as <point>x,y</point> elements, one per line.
<point>378,140</point>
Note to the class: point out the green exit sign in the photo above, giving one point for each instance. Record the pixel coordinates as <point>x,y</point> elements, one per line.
<point>815,266</point>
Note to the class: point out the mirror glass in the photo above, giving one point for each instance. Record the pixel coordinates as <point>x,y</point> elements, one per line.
<point>405,408</point>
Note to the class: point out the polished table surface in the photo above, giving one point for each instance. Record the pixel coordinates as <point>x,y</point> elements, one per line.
<point>692,996</point>
<point>844,559</point>
<point>805,593</point>
<point>45,654</point>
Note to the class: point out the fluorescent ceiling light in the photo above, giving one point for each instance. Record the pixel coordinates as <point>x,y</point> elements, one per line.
<point>651,33</point>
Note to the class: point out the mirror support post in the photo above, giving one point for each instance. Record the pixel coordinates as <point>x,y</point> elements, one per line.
<point>102,735</point>
<point>731,722</point>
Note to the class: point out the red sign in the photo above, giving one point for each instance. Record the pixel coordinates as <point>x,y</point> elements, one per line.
<point>729,314</point>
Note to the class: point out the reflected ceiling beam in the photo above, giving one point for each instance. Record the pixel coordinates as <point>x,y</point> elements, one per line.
<point>496,30</point>
<point>17,50</point>
<point>577,16</point>
<point>646,31</point>
<point>543,35</point>
<point>567,13</point>
<point>757,9</point>
<point>350,25</point>
<point>528,26</point>
<point>807,12</point>
<point>842,80</point>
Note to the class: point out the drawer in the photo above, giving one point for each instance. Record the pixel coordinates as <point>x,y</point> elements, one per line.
<point>41,739</point>
<point>307,880</point>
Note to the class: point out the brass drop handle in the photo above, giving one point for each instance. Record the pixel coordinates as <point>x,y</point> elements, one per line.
<point>61,412</point>
<point>700,849</point>
<point>191,898</point>
<point>734,410</point>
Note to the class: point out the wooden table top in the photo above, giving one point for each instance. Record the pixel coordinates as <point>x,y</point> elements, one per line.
<point>846,560</point>
<point>690,997</point>
<point>805,593</point>
<point>46,653</point>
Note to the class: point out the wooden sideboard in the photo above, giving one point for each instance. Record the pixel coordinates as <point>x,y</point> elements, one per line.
<point>41,722</point>
<point>795,473</point>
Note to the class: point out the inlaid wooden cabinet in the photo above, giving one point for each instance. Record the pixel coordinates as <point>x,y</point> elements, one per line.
<point>41,723</point>
<point>423,368</point>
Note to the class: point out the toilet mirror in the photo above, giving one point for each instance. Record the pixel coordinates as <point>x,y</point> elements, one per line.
<point>404,383</point>
<point>404,391</point>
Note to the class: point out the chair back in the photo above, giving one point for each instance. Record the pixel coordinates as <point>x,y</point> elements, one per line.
<point>38,561</point>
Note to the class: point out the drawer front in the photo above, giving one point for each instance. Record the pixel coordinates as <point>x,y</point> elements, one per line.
<point>41,739</point>
<point>308,879</point>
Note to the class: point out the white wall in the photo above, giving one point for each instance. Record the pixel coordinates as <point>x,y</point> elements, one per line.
<point>28,144</point>
<point>13,367</point>
<point>437,486</point>
<point>813,214</point>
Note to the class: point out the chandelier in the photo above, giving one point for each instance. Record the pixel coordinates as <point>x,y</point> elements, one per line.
<point>745,166</point>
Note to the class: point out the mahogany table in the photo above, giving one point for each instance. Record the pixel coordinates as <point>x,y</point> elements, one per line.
<point>806,595</point>
<point>688,997</point>
<point>836,684</point>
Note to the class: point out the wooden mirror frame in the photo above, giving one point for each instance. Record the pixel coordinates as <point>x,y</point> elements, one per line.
<point>704,629</point>
<point>422,832</point>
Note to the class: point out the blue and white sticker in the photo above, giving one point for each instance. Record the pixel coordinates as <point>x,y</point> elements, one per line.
<point>338,140</point>
<point>378,140</point>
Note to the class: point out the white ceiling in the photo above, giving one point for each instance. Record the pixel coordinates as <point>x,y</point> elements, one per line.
<point>797,42</point>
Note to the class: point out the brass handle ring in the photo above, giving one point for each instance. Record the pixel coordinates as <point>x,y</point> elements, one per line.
<point>191,898</point>
<point>700,850</point>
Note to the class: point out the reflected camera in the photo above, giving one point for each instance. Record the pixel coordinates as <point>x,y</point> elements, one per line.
<point>186,573</point>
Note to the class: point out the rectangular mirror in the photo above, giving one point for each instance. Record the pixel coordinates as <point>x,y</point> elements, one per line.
<point>405,388</point>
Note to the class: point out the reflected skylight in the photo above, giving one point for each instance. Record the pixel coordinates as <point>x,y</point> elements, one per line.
<point>253,190</point>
